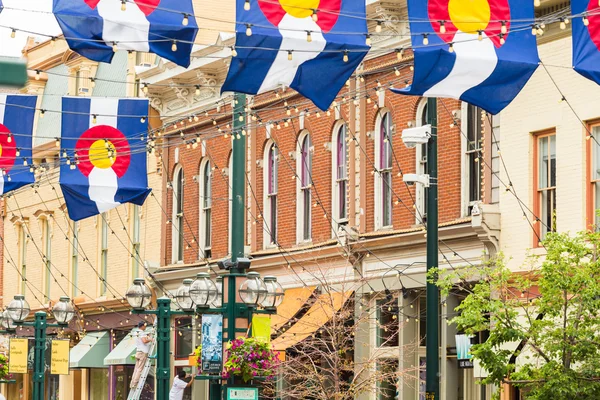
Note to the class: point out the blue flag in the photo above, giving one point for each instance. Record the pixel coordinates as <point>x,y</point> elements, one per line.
<point>164,27</point>
<point>108,164</point>
<point>472,51</point>
<point>16,129</point>
<point>586,39</point>
<point>278,44</point>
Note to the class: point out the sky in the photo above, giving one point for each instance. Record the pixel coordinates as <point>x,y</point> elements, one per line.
<point>37,19</point>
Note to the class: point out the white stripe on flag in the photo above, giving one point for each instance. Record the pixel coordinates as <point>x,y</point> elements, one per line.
<point>129,28</point>
<point>3,99</point>
<point>105,110</point>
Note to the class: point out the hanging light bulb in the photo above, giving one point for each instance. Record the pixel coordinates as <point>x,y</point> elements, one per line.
<point>174,46</point>
<point>585,19</point>
<point>368,40</point>
<point>197,90</point>
<point>13,33</point>
<point>425,39</point>
<point>536,3</point>
<point>314,15</point>
<point>123,5</point>
<point>563,24</point>
<point>503,28</point>
<point>345,56</point>
<point>378,27</point>
<point>451,47</point>
<point>290,55</point>
<point>186,20</point>
<point>399,54</point>
<point>247,5</point>
<point>143,120</point>
<point>233,51</point>
<point>248,30</point>
<point>308,37</point>
<point>57,142</point>
<point>480,35</point>
<point>442,27</point>
<point>145,88</point>
<point>37,74</point>
<point>397,71</point>
<point>114,47</point>
<point>502,40</point>
<point>534,30</point>
<point>42,112</point>
<point>18,152</point>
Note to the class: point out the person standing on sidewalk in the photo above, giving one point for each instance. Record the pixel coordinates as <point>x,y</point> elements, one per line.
<point>142,343</point>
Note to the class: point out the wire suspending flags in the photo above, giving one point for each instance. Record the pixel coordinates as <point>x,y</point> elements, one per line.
<point>586,39</point>
<point>97,28</point>
<point>475,55</point>
<point>104,171</point>
<point>16,115</point>
<point>307,52</point>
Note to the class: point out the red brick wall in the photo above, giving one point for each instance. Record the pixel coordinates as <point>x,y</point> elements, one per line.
<point>402,108</point>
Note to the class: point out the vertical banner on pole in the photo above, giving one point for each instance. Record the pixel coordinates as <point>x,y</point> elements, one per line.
<point>60,357</point>
<point>17,356</point>
<point>261,327</point>
<point>212,343</point>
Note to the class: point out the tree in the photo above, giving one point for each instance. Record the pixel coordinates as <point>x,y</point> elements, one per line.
<point>543,319</point>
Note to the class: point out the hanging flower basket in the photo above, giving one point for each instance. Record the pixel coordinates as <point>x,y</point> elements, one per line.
<point>4,375</point>
<point>195,359</point>
<point>250,358</point>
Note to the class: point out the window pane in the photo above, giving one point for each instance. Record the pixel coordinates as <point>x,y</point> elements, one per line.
<point>273,219</point>
<point>596,153</point>
<point>553,160</point>
<point>543,162</point>
<point>387,325</point>
<point>548,206</point>
<point>474,178</point>
<point>183,338</point>
<point>387,370</point>
<point>207,228</point>
<point>386,178</point>
<point>597,205</point>
<point>342,196</point>
<point>306,214</point>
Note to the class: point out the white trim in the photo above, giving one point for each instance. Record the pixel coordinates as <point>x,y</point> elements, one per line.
<point>202,215</point>
<point>266,203</point>
<point>378,217</point>
<point>299,215</point>
<point>335,200</point>
<point>464,179</point>
<point>175,234</point>
<point>419,189</point>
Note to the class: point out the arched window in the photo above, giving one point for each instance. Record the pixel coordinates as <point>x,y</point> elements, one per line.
<point>271,159</point>
<point>421,167</point>
<point>340,174</point>
<point>205,208</point>
<point>383,175</point>
<point>178,181</point>
<point>304,168</point>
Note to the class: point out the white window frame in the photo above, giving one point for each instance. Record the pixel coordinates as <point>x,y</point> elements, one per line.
<point>136,240</point>
<point>75,258</point>
<point>420,168</point>
<point>103,244</point>
<point>205,212</point>
<point>466,204</point>
<point>177,233</point>
<point>339,127</point>
<point>300,200</point>
<point>267,208</point>
<point>378,196</point>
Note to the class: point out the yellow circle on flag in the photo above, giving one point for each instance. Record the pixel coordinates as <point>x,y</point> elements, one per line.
<point>299,8</point>
<point>0,150</point>
<point>102,154</point>
<point>469,16</point>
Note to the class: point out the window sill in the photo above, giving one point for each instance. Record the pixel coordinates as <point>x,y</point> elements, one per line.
<point>384,228</point>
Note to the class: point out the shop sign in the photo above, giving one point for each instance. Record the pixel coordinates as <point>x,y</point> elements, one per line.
<point>17,356</point>
<point>242,393</point>
<point>59,364</point>
<point>212,343</point>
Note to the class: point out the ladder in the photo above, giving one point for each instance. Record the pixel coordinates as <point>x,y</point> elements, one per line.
<point>136,392</point>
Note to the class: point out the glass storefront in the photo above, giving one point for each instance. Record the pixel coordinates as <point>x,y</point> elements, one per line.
<point>98,384</point>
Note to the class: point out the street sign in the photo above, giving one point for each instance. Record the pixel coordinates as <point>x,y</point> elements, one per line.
<point>242,393</point>
<point>17,356</point>
<point>59,364</point>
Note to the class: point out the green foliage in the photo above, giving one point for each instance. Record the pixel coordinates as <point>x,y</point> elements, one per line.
<point>550,305</point>
<point>4,367</point>
<point>250,358</point>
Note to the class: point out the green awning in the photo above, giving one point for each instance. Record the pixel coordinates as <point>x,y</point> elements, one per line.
<point>122,354</point>
<point>90,351</point>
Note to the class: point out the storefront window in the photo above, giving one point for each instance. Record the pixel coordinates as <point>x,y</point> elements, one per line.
<point>387,323</point>
<point>387,386</point>
<point>183,337</point>
<point>52,387</point>
<point>98,384</point>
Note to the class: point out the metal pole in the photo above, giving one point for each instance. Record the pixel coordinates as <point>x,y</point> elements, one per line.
<point>238,179</point>
<point>432,383</point>
<point>163,342</point>
<point>39,355</point>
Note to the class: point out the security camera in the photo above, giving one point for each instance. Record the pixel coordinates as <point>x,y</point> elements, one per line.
<point>412,179</point>
<point>414,136</point>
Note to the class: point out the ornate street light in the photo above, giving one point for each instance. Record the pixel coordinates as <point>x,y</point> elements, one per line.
<point>18,309</point>
<point>253,290</point>
<point>274,295</point>
<point>63,311</point>
<point>138,295</point>
<point>7,322</point>
<point>218,303</point>
<point>203,291</point>
<point>182,296</point>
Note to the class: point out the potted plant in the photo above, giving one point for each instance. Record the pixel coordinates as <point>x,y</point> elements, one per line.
<point>195,359</point>
<point>250,358</point>
<point>4,374</point>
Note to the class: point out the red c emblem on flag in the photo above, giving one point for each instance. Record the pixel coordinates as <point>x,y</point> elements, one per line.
<point>146,6</point>
<point>103,147</point>
<point>8,150</point>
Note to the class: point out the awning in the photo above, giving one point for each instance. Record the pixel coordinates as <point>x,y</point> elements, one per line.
<point>122,354</point>
<point>90,351</point>
<point>318,315</point>
<point>293,301</point>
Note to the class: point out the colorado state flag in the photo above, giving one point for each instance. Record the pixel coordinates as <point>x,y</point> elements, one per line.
<point>16,129</point>
<point>108,164</point>
<point>92,27</point>
<point>288,47</point>
<point>475,53</point>
<point>586,39</point>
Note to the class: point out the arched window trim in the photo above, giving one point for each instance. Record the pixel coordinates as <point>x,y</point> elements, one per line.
<point>383,170</point>
<point>270,194</point>
<point>339,173</point>
<point>304,187</point>
<point>205,183</point>
<point>177,219</point>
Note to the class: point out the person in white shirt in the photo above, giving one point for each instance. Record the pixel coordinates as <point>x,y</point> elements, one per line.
<point>179,385</point>
<point>2,397</point>
<point>142,343</point>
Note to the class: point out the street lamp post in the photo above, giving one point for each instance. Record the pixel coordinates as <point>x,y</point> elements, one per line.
<point>18,310</point>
